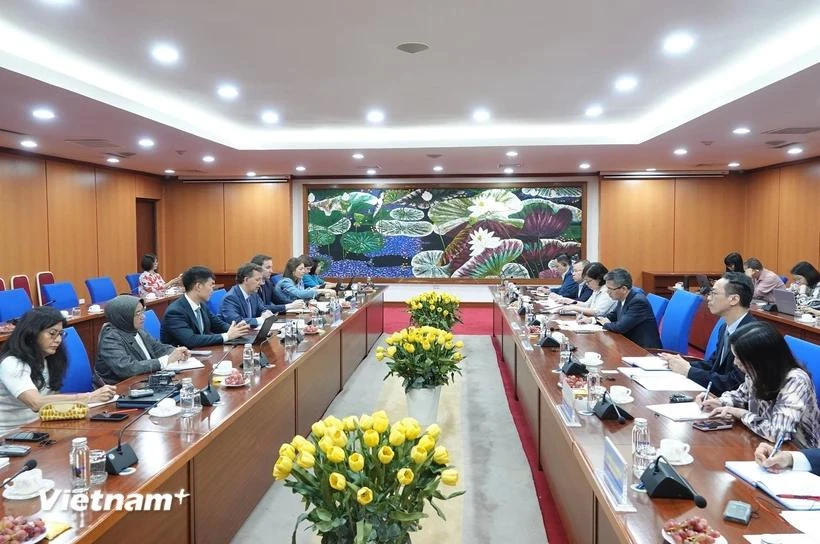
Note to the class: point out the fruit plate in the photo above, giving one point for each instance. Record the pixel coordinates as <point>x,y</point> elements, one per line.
<point>668,538</point>
<point>246,382</point>
<point>317,331</point>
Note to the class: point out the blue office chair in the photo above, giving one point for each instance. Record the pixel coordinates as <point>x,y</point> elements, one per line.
<point>61,295</point>
<point>711,344</point>
<point>677,321</point>
<point>809,355</point>
<point>78,372</point>
<point>13,304</point>
<point>134,283</point>
<point>658,304</point>
<point>101,289</point>
<point>215,302</point>
<point>152,325</point>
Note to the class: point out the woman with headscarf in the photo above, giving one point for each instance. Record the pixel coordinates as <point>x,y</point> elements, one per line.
<point>125,349</point>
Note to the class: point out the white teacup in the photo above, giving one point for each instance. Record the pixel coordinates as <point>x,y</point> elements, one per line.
<point>28,482</point>
<point>224,366</point>
<point>679,285</point>
<point>673,450</point>
<point>806,317</point>
<point>151,296</point>
<point>65,313</point>
<point>592,359</point>
<point>620,393</point>
<point>166,406</point>
<point>95,308</point>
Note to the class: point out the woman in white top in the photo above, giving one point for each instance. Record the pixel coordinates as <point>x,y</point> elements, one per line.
<point>599,303</point>
<point>32,367</point>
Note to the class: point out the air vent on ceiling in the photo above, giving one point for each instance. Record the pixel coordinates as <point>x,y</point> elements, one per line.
<point>510,165</point>
<point>92,142</point>
<point>7,131</point>
<point>434,155</point>
<point>374,167</point>
<point>780,144</point>
<point>193,171</point>
<point>412,47</point>
<point>793,130</point>
<point>121,154</point>
<point>709,165</point>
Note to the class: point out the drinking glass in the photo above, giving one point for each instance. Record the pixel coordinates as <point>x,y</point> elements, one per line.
<point>97,462</point>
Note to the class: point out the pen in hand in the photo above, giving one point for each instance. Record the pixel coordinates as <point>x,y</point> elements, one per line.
<point>778,444</point>
<point>705,396</point>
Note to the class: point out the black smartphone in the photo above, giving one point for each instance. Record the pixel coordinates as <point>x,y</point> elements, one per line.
<point>109,416</point>
<point>27,436</point>
<point>13,450</point>
<point>680,397</point>
<point>713,424</point>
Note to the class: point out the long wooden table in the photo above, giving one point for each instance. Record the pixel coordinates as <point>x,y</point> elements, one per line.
<point>570,456</point>
<point>222,456</point>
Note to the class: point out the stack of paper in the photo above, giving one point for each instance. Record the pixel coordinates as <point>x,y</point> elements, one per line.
<point>782,487</point>
<point>792,538</point>
<point>681,411</point>
<point>574,326</point>
<point>647,363</point>
<point>660,380</point>
<point>808,522</point>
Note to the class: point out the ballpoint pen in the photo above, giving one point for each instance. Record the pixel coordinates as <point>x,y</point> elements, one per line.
<point>706,395</point>
<point>778,444</point>
<point>801,497</point>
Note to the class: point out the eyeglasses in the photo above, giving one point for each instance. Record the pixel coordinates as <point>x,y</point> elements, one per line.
<point>54,333</point>
<point>139,313</point>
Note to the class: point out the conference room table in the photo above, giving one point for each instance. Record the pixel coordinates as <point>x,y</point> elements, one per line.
<point>570,455</point>
<point>223,456</point>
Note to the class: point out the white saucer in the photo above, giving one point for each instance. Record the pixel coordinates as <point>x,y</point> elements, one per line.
<point>686,460</point>
<point>592,362</point>
<point>801,320</point>
<point>625,400</point>
<point>157,413</point>
<point>48,485</point>
<point>225,373</point>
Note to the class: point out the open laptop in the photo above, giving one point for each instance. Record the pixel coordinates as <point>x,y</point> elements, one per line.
<point>257,338</point>
<point>785,301</point>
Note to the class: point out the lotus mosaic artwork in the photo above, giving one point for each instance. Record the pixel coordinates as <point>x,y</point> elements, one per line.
<point>460,232</point>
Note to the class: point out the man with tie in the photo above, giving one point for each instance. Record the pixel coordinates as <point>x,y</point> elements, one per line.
<point>267,290</point>
<point>242,303</point>
<point>729,299</point>
<point>582,292</point>
<point>568,287</point>
<point>188,322</point>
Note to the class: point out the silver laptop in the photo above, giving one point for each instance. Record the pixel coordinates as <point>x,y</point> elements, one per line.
<point>785,301</point>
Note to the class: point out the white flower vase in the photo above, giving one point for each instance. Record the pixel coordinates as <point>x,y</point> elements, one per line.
<point>422,404</point>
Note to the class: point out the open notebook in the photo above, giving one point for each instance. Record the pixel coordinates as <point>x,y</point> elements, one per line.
<point>779,485</point>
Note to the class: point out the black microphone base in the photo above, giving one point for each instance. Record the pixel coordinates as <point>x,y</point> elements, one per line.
<point>662,481</point>
<point>209,396</point>
<point>605,409</point>
<point>120,458</point>
<point>573,367</point>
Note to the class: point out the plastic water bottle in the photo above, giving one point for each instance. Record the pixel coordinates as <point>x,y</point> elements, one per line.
<point>247,362</point>
<point>186,397</point>
<point>594,388</point>
<point>642,450</point>
<point>80,465</point>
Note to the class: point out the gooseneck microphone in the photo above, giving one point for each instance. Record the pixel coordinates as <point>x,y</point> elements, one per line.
<point>30,464</point>
<point>621,418</point>
<point>663,481</point>
<point>209,396</point>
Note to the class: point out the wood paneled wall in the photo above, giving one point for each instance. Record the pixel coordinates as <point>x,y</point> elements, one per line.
<point>223,225</point>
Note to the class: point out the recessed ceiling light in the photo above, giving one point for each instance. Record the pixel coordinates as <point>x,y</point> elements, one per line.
<point>169,171</point>
<point>358,156</point>
<point>680,151</point>
<point>227,91</point>
<point>112,160</point>
<point>58,2</point>
<point>511,154</point>
<point>508,170</point>
<point>165,53</point>
<point>208,158</point>
<point>438,168</point>
<point>678,43</point>
<point>733,164</point>
<point>794,150</point>
<point>30,144</point>
<point>651,169</point>
<point>270,117</point>
<point>375,116</point>
<point>624,84</point>
<point>146,142</point>
<point>250,174</point>
<point>741,131</point>
<point>43,114</point>
<point>371,171</point>
<point>481,115</point>
<point>584,166</point>
<point>594,111</point>
<point>300,168</point>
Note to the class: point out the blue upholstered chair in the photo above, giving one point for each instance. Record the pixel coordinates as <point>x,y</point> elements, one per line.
<point>808,354</point>
<point>711,344</point>
<point>78,372</point>
<point>61,295</point>
<point>101,289</point>
<point>134,283</point>
<point>677,321</point>
<point>152,325</point>
<point>658,304</point>
<point>216,300</point>
<point>13,304</point>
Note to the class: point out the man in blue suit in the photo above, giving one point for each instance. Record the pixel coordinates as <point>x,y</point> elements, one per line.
<point>188,322</point>
<point>242,303</point>
<point>807,460</point>
<point>582,292</point>
<point>267,291</point>
<point>568,287</point>
<point>729,299</point>
<point>632,316</point>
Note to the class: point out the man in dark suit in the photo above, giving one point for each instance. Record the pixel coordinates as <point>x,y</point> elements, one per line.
<point>729,299</point>
<point>632,316</point>
<point>807,460</point>
<point>242,303</point>
<point>267,290</point>
<point>582,292</point>
<point>188,322</point>
<point>568,287</point>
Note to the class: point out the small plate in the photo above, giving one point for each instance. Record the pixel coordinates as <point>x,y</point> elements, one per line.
<point>247,382</point>
<point>810,320</point>
<point>592,362</point>
<point>687,460</point>
<point>48,485</point>
<point>225,373</point>
<point>159,413</point>
<point>626,400</point>
<point>317,331</point>
<point>668,538</point>
<point>37,538</point>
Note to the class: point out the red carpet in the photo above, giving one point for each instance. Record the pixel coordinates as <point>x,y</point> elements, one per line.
<point>477,320</point>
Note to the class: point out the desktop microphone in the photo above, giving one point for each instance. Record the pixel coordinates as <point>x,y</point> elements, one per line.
<point>209,396</point>
<point>123,456</point>
<point>621,418</point>
<point>662,481</point>
<point>30,464</point>
<point>607,409</point>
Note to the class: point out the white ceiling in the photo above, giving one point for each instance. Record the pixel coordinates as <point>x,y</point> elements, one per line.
<point>322,65</point>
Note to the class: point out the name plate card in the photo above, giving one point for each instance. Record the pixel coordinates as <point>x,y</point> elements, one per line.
<point>615,477</point>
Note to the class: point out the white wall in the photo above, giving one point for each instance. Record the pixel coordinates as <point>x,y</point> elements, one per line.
<point>466,292</point>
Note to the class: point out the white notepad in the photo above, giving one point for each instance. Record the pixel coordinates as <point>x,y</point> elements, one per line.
<point>681,411</point>
<point>808,522</point>
<point>647,363</point>
<point>190,364</point>
<point>788,482</point>
<point>574,326</point>
<point>666,381</point>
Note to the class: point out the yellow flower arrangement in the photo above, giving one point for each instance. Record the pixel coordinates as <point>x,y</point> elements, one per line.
<point>371,489</point>
<point>434,309</point>
<point>422,357</point>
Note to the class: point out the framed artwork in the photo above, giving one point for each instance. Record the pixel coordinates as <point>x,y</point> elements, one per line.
<point>463,232</point>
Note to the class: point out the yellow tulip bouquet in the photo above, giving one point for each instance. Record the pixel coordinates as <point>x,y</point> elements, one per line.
<point>423,357</point>
<point>433,309</point>
<point>365,481</point>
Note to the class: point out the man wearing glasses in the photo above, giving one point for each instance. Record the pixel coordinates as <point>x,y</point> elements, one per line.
<point>729,299</point>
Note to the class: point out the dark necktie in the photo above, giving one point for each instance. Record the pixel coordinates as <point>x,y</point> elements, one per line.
<point>724,349</point>
<point>199,322</point>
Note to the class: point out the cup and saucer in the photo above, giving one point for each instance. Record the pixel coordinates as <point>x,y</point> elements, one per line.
<point>165,408</point>
<point>224,368</point>
<point>676,452</point>
<point>28,485</point>
<point>95,309</point>
<point>806,318</point>
<point>620,394</point>
<point>592,359</point>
